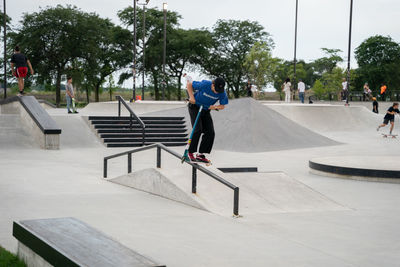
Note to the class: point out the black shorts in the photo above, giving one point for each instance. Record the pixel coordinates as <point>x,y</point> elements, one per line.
<point>386,121</point>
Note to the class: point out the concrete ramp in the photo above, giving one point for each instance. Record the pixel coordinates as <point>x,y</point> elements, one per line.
<point>282,192</point>
<point>76,133</point>
<point>260,193</point>
<point>154,182</point>
<point>330,118</point>
<point>246,125</point>
<point>13,134</point>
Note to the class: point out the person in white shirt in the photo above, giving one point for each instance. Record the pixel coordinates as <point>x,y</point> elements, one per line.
<point>286,88</point>
<point>302,89</point>
<point>344,89</point>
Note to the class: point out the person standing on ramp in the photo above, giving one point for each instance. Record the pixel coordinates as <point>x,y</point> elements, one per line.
<point>21,63</point>
<point>206,94</point>
<point>389,117</point>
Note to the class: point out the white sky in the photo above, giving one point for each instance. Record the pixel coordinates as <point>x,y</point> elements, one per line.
<point>321,23</point>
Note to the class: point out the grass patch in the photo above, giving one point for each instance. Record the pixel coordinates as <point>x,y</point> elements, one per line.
<point>7,259</point>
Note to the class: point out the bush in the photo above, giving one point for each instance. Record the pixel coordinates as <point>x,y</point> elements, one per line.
<point>9,259</point>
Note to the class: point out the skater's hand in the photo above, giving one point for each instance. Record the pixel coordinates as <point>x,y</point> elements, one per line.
<point>192,100</point>
<point>32,72</point>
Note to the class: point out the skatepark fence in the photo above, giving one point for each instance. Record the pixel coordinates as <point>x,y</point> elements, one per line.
<point>131,116</point>
<point>195,167</point>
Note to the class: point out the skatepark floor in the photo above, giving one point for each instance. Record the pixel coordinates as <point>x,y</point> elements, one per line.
<point>37,184</point>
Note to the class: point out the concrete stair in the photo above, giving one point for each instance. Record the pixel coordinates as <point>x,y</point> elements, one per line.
<point>116,131</point>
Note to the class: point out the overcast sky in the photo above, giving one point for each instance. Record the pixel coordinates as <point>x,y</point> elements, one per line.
<point>321,23</point>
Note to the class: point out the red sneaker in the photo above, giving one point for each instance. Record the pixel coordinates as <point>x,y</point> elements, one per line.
<point>192,157</point>
<point>202,158</point>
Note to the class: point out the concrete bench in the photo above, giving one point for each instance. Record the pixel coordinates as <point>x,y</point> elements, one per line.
<point>70,242</point>
<point>35,119</point>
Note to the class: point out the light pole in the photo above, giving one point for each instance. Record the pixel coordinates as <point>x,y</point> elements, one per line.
<point>295,49</point>
<point>165,6</point>
<point>349,53</point>
<point>5,49</point>
<point>144,44</point>
<point>134,52</point>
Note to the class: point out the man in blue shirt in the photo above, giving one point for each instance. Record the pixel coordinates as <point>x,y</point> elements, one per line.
<point>206,94</point>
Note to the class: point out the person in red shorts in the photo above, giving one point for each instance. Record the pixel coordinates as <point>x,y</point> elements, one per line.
<point>21,63</point>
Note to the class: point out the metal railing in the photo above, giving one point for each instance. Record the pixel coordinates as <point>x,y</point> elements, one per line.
<point>131,116</point>
<point>195,167</point>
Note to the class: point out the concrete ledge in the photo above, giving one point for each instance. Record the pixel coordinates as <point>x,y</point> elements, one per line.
<point>238,169</point>
<point>35,120</point>
<point>70,242</point>
<point>377,169</point>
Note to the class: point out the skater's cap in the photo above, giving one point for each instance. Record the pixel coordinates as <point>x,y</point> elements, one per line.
<point>219,84</point>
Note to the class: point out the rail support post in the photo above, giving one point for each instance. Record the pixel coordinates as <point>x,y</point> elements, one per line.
<point>158,157</point>
<point>119,108</point>
<point>129,162</point>
<point>105,168</point>
<point>236,201</point>
<point>194,180</point>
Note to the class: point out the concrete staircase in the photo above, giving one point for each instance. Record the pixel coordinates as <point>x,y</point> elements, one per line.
<point>116,131</point>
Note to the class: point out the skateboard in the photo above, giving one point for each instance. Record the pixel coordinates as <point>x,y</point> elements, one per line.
<point>389,135</point>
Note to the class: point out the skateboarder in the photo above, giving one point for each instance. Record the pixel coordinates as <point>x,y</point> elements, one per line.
<point>389,117</point>
<point>70,96</point>
<point>21,63</point>
<point>205,93</point>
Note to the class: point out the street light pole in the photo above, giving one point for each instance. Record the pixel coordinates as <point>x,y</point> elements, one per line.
<point>144,45</point>
<point>5,48</point>
<point>165,48</point>
<point>349,53</point>
<point>295,49</point>
<point>134,52</point>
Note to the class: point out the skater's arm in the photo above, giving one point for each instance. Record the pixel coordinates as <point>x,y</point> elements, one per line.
<point>217,107</point>
<point>12,68</point>
<point>30,66</point>
<point>189,87</point>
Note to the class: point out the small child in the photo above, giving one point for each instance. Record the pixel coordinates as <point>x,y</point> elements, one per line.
<point>375,105</point>
<point>389,117</point>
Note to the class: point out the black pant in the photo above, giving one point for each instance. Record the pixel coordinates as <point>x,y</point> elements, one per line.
<point>204,126</point>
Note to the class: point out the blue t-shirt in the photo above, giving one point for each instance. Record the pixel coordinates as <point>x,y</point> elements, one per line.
<point>204,95</point>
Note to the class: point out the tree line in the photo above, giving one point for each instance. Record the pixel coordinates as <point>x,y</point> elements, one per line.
<point>64,40</point>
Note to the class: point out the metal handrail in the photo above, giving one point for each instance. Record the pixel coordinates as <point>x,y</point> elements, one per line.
<point>132,114</point>
<point>195,167</point>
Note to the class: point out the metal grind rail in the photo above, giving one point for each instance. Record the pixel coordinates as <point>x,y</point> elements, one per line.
<point>131,116</point>
<point>195,167</point>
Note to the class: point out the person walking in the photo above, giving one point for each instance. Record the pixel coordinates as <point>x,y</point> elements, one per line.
<point>302,90</point>
<point>383,91</point>
<point>248,89</point>
<point>70,96</point>
<point>19,68</point>
<point>286,88</point>
<point>344,89</point>
<point>375,105</point>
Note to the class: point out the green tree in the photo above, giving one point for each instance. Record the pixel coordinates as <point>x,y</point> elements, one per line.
<point>186,47</point>
<point>327,63</point>
<point>333,81</point>
<point>154,41</point>
<point>260,64</point>
<point>106,50</point>
<point>378,58</point>
<point>51,42</point>
<point>280,73</point>
<point>318,89</point>
<point>232,41</point>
